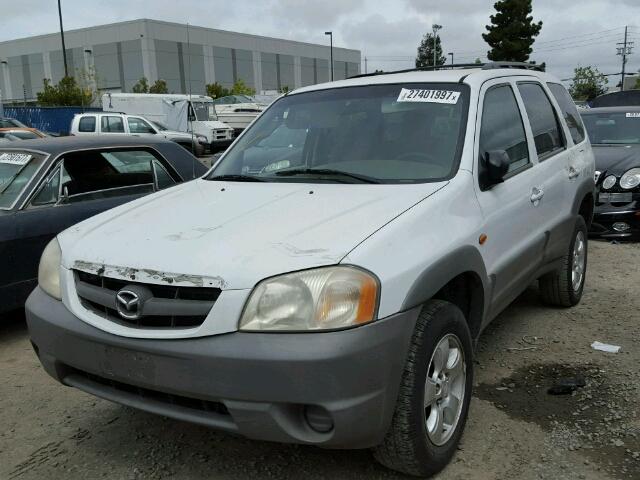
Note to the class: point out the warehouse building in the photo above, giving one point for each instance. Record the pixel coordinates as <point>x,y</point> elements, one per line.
<point>114,57</point>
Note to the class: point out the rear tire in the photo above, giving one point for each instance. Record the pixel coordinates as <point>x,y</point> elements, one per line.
<point>564,287</point>
<point>431,411</point>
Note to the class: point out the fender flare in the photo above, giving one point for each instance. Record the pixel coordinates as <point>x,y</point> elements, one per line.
<point>466,259</point>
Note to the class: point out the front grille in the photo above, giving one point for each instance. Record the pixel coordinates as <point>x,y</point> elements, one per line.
<point>169,306</point>
<point>154,395</point>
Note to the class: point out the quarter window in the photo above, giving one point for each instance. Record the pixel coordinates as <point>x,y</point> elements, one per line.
<point>112,125</point>
<point>502,128</point>
<point>569,111</point>
<point>545,126</point>
<point>87,124</point>
<point>49,192</point>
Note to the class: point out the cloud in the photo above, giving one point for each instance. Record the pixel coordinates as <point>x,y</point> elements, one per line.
<point>386,31</point>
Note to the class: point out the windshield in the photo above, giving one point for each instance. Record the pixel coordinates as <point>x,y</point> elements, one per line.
<point>16,170</point>
<point>204,111</point>
<point>384,133</point>
<point>159,126</point>
<point>613,128</point>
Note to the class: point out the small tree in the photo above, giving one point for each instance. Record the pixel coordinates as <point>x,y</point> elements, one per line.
<point>587,83</point>
<point>160,86</point>
<point>284,89</point>
<point>65,93</point>
<point>142,86</point>
<point>425,52</point>
<point>240,88</point>
<point>512,31</point>
<point>637,85</point>
<point>215,90</point>
<point>477,61</point>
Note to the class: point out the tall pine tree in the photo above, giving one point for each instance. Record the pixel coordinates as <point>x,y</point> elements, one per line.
<point>425,52</point>
<point>512,31</point>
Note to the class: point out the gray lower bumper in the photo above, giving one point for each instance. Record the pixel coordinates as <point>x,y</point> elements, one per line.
<point>266,386</point>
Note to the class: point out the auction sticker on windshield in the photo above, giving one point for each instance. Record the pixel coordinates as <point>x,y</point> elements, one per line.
<point>428,96</point>
<point>633,115</point>
<point>15,158</point>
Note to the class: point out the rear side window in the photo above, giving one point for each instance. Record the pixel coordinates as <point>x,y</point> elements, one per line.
<point>545,126</point>
<point>502,128</point>
<point>112,125</point>
<point>569,111</point>
<point>87,124</point>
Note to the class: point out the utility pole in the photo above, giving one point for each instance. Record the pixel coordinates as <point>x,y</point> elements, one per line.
<point>435,27</point>
<point>64,49</point>
<point>623,51</point>
<point>365,65</point>
<point>331,50</point>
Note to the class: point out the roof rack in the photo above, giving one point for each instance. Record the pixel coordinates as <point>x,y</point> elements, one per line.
<point>461,66</point>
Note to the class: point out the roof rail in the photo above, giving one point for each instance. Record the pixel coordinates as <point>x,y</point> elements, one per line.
<point>460,66</point>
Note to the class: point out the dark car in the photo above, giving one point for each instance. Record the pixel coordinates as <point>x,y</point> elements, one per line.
<point>11,123</point>
<point>47,185</point>
<point>615,135</point>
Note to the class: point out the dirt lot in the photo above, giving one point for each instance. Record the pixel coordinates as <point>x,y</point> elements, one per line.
<point>516,430</point>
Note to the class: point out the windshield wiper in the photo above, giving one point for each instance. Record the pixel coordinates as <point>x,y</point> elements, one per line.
<point>326,172</point>
<point>236,178</point>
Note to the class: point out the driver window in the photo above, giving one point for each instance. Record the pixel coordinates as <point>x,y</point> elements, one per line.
<point>138,125</point>
<point>502,128</point>
<point>94,174</point>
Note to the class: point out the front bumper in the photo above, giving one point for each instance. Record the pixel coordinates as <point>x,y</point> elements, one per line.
<point>334,389</point>
<point>604,221</point>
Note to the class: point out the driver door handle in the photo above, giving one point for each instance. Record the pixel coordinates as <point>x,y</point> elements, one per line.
<point>536,195</point>
<point>573,172</point>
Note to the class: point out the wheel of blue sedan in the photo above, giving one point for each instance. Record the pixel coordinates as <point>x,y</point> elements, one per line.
<point>434,396</point>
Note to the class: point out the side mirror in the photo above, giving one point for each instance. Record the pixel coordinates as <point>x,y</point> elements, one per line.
<point>496,166</point>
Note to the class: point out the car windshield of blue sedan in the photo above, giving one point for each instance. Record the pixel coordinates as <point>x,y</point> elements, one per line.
<point>613,128</point>
<point>16,170</point>
<point>397,133</point>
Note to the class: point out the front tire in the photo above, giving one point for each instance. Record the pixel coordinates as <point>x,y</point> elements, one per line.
<point>434,395</point>
<point>564,287</point>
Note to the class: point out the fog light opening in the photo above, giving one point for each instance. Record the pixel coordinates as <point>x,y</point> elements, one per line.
<point>621,226</point>
<point>318,418</point>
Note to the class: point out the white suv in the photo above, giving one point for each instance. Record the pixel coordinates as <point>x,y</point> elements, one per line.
<point>326,281</point>
<point>102,123</point>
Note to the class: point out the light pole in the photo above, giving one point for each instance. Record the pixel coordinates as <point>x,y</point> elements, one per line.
<point>330,50</point>
<point>435,28</point>
<point>451,53</point>
<point>64,49</point>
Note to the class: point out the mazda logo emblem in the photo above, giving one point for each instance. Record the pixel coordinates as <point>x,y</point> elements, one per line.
<point>128,304</point>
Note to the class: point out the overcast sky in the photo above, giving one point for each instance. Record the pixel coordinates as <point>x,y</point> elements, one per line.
<point>574,32</point>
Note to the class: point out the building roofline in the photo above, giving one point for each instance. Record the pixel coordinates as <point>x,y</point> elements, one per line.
<point>175,24</point>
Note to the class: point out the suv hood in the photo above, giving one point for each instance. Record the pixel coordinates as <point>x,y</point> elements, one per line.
<point>616,159</point>
<point>231,234</point>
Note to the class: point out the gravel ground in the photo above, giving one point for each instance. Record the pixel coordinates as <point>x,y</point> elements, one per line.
<point>515,429</point>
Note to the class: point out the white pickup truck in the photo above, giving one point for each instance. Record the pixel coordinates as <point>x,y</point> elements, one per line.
<point>99,123</point>
<point>182,113</point>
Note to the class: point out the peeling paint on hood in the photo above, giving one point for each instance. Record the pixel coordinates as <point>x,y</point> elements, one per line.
<point>234,234</point>
<point>146,275</point>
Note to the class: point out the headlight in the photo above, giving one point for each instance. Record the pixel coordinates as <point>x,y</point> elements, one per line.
<point>201,138</point>
<point>319,299</point>
<point>49,269</point>
<point>631,179</point>
<point>609,182</point>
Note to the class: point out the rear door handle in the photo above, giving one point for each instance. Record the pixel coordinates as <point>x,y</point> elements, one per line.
<point>573,173</point>
<point>536,195</point>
